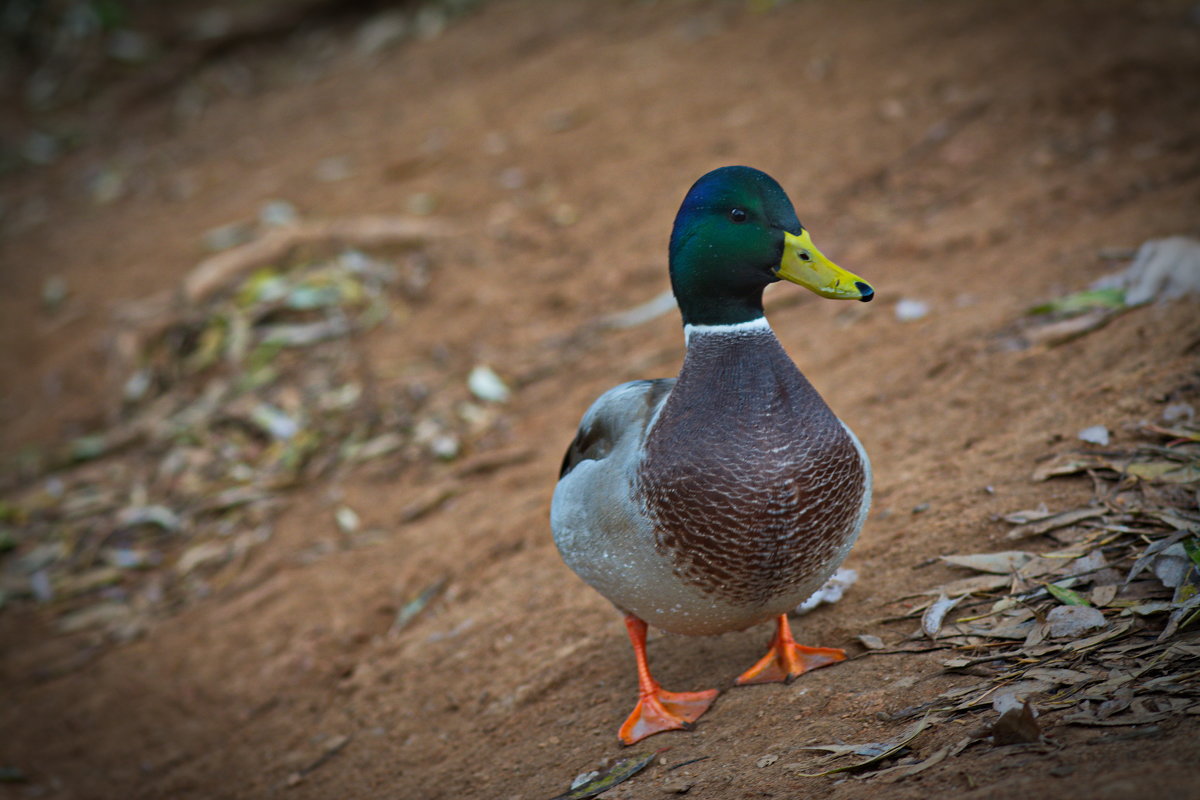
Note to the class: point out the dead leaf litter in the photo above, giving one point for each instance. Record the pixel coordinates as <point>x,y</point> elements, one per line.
<point>238,394</point>
<point>1097,631</point>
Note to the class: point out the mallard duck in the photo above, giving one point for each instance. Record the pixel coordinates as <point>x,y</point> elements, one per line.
<point>724,497</point>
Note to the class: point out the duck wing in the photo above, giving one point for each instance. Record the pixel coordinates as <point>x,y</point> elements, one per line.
<point>622,415</point>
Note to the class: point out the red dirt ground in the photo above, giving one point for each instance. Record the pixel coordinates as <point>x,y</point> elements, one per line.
<point>977,156</point>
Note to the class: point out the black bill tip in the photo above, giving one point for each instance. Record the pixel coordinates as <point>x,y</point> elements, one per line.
<point>868,294</point>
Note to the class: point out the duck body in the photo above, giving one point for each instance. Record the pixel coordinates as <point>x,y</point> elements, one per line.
<point>725,497</point>
<point>716,501</point>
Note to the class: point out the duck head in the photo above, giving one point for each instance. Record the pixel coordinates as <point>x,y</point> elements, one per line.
<point>737,232</point>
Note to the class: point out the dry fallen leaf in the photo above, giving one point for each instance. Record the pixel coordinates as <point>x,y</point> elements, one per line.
<point>1074,463</point>
<point>1058,676</point>
<point>931,620</point>
<point>1103,595</point>
<point>902,771</point>
<point>878,752</point>
<point>1074,621</point>
<point>1016,726</point>
<point>1030,526</point>
<point>1002,563</point>
<point>1166,471</point>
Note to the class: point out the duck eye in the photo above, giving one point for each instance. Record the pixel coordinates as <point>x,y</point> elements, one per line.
<point>737,215</point>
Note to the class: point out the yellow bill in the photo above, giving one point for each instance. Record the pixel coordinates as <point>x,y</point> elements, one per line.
<point>804,264</point>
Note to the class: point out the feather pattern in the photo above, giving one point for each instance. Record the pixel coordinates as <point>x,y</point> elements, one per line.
<point>715,501</point>
<point>769,487</point>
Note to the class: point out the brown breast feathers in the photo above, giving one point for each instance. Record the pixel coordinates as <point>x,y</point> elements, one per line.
<point>751,482</point>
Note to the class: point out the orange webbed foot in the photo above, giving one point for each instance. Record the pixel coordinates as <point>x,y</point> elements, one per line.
<point>786,660</point>
<point>661,711</point>
<point>658,710</point>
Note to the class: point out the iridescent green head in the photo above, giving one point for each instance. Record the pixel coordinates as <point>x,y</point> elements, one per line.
<point>737,232</point>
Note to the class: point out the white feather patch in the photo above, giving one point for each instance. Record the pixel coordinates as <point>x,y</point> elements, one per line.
<point>753,326</point>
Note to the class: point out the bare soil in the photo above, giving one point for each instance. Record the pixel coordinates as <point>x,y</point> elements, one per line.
<point>977,156</point>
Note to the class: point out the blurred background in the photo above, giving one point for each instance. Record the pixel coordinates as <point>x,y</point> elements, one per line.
<point>302,301</point>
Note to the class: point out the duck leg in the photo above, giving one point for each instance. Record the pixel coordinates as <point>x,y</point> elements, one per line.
<point>658,710</point>
<point>786,660</point>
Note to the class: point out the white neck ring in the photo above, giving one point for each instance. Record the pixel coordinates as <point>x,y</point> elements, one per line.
<point>737,328</point>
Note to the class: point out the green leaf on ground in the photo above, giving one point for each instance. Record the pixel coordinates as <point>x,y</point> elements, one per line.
<point>1079,302</point>
<point>604,780</point>
<point>1067,596</point>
